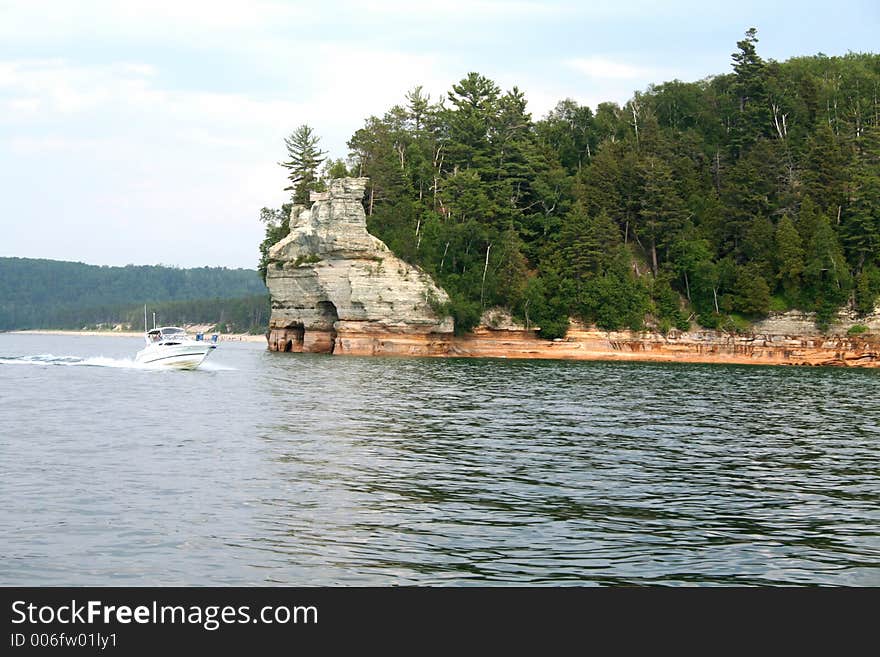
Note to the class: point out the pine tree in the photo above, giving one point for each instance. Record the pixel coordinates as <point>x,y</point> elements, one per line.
<point>757,247</point>
<point>568,129</point>
<point>861,222</point>
<point>589,244</point>
<point>303,164</point>
<point>752,117</point>
<point>789,256</point>
<point>824,168</point>
<point>662,213</point>
<point>826,275</point>
<point>751,294</point>
<point>474,109</point>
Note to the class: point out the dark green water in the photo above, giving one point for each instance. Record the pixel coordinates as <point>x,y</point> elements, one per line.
<point>314,470</point>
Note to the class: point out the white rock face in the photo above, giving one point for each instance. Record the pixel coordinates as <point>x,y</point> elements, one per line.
<point>795,322</point>
<point>330,275</point>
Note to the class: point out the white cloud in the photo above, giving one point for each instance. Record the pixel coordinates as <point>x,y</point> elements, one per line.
<point>470,8</point>
<point>115,145</point>
<point>173,112</point>
<point>346,84</point>
<point>190,20</point>
<point>604,68</point>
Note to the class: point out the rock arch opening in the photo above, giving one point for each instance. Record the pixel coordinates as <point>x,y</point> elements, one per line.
<point>322,339</point>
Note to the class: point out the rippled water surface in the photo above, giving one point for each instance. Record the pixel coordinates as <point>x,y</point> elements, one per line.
<point>314,470</point>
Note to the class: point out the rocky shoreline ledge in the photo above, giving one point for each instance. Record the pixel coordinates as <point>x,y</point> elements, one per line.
<point>594,344</point>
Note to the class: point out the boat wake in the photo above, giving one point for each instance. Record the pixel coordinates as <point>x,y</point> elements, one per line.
<point>212,366</point>
<point>95,361</point>
<point>70,361</point>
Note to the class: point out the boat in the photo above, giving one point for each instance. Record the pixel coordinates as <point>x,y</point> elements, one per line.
<point>170,346</point>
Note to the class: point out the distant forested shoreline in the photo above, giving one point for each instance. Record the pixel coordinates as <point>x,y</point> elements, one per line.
<point>704,203</point>
<point>51,294</point>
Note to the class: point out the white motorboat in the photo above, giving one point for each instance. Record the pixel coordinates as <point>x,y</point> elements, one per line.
<point>170,346</point>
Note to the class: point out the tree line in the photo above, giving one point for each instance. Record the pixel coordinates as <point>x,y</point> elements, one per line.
<point>709,202</point>
<point>37,293</point>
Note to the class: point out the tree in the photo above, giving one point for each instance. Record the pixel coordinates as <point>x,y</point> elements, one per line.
<point>568,129</point>
<point>752,115</point>
<point>662,213</point>
<point>667,304</point>
<point>861,221</point>
<point>867,289</point>
<point>689,256</point>
<point>751,294</point>
<point>757,247</point>
<point>277,224</point>
<point>303,164</point>
<point>824,168</point>
<point>789,257</point>
<point>469,121</point>
<point>826,277</point>
<point>589,244</point>
<point>721,191</point>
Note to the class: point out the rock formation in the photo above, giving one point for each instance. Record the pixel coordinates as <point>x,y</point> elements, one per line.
<point>796,322</point>
<point>589,343</point>
<point>336,288</point>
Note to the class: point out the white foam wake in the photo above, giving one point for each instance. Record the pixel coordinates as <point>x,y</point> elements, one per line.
<point>98,361</point>
<point>72,361</point>
<point>213,366</point>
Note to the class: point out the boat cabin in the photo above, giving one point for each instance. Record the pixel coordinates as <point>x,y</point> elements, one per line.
<point>166,335</point>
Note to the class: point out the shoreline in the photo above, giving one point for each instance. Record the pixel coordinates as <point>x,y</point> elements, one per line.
<point>580,344</point>
<point>223,337</point>
<point>591,344</point>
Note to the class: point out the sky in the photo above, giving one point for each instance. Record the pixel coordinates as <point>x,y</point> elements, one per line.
<point>149,132</point>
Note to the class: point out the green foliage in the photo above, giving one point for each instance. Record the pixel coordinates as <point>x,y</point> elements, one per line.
<point>827,278</point>
<point>241,315</point>
<point>614,301</point>
<point>751,294</point>
<point>306,260</point>
<point>466,314</point>
<point>725,198</point>
<point>277,224</point>
<point>547,305</point>
<point>589,244</point>
<point>304,160</point>
<point>667,304</point>
<point>70,295</point>
<point>867,289</point>
<point>750,101</point>
<point>735,323</point>
<point>857,329</point>
<point>789,256</point>
<point>779,304</point>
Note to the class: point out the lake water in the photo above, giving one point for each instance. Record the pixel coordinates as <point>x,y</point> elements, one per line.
<point>317,470</point>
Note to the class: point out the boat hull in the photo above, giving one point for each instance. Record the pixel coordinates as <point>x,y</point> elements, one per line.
<point>179,357</point>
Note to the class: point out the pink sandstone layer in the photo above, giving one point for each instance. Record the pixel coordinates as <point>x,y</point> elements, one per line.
<point>582,343</point>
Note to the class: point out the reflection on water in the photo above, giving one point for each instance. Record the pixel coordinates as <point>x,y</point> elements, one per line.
<point>297,469</point>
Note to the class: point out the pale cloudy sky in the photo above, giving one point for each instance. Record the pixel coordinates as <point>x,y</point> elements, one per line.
<point>148,132</point>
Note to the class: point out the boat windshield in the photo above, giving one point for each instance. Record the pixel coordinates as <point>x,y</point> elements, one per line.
<point>166,333</point>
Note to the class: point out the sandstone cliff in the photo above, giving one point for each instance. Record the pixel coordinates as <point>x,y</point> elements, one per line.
<point>589,343</point>
<point>336,288</point>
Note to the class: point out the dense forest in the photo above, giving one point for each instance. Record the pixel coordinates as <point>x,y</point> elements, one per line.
<point>709,202</point>
<point>53,294</point>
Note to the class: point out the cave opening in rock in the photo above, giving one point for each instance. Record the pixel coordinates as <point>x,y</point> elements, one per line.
<point>329,317</point>
<point>294,337</point>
